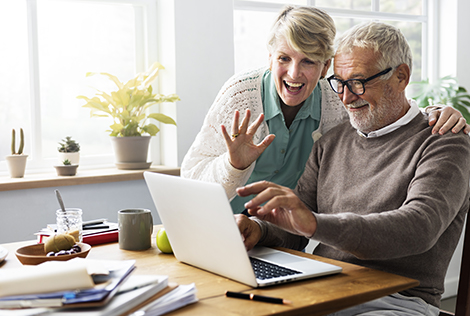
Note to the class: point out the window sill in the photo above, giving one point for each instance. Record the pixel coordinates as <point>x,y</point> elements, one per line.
<point>45,180</point>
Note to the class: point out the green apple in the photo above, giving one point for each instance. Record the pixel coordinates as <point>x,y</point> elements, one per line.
<point>162,241</point>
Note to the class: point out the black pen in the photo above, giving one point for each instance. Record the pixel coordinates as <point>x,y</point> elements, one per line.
<point>254,297</point>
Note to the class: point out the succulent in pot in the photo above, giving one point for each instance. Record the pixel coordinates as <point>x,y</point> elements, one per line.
<point>69,149</point>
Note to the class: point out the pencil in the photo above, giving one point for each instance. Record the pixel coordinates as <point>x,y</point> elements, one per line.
<point>259,298</point>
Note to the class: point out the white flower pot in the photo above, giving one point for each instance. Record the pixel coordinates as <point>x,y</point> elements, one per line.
<point>74,158</point>
<point>17,165</point>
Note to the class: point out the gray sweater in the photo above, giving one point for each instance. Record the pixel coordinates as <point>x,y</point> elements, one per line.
<point>395,203</point>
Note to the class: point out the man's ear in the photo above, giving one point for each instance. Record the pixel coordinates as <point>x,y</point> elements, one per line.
<point>403,75</point>
<point>326,66</point>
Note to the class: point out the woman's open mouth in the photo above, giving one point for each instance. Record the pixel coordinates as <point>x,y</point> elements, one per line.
<point>293,87</point>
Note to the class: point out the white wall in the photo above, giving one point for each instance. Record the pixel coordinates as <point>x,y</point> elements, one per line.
<point>24,212</point>
<point>197,44</point>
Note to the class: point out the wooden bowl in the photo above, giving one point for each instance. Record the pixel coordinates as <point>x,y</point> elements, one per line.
<point>35,254</point>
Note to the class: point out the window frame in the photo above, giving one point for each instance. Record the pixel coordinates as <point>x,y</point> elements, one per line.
<point>428,18</point>
<point>146,52</point>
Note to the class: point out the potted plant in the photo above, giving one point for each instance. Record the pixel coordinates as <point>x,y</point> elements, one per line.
<point>128,107</point>
<point>69,150</point>
<point>67,168</point>
<point>17,160</point>
<point>446,91</point>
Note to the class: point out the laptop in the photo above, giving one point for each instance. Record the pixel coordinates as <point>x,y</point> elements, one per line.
<point>203,233</point>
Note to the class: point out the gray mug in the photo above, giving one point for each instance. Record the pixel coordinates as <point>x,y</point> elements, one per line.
<point>135,229</point>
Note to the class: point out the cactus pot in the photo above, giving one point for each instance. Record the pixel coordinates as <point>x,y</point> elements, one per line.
<point>16,165</point>
<point>131,152</point>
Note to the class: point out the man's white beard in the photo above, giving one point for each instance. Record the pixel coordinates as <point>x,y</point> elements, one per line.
<point>385,112</point>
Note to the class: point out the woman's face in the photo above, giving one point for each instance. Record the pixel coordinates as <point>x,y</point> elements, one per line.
<point>295,74</point>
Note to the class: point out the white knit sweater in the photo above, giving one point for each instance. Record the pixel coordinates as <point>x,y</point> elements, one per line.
<point>208,160</point>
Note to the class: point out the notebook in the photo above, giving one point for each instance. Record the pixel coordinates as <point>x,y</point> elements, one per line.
<point>202,231</point>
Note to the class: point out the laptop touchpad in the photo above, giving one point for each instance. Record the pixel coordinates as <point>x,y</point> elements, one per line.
<point>280,258</point>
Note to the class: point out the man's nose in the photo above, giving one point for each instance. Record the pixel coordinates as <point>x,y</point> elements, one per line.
<point>347,96</point>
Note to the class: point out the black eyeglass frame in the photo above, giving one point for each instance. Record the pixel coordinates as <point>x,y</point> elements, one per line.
<point>362,81</point>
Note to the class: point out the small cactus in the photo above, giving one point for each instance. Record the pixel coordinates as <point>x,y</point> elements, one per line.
<point>13,142</point>
<point>67,162</point>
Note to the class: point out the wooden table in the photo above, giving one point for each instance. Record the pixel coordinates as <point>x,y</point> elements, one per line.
<point>320,296</point>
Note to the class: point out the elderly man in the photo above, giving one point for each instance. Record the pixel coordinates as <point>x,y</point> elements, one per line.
<point>388,195</point>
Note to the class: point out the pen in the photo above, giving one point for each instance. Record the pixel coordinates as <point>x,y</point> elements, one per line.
<point>94,222</point>
<point>254,297</point>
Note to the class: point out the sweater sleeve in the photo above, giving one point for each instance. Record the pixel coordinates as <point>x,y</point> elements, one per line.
<point>207,158</point>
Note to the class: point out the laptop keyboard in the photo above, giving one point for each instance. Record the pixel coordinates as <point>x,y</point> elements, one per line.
<point>265,270</point>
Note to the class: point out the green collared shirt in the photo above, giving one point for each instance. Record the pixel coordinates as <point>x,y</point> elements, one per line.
<point>283,162</point>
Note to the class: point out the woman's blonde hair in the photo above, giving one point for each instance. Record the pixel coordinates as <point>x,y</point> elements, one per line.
<point>308,30</point>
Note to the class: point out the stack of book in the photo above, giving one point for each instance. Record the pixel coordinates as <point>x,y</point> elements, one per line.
<point>114,293</point>
<point>95,232</point>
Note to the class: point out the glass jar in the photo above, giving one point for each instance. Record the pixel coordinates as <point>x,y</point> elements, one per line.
<point>70,222</point>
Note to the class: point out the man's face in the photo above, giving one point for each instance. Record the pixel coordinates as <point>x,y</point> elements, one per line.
<point>380,104</point>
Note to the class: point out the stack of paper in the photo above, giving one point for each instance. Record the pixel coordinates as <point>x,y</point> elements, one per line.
<point>181,296</point>
<point>133,292</point>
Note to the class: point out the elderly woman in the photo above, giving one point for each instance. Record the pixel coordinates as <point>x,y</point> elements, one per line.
<point>291,104</point>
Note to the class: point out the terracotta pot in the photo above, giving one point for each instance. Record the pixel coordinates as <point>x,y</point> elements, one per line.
<point>17,165</point>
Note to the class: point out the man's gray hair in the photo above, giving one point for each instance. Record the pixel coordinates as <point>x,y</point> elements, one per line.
<point>383,38</point>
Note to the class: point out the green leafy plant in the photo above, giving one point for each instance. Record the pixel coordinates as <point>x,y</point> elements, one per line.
<point>128,105</point>
<point>446,91</point>
<point>13,142</point>
<point>67,162</point>
<point>68,145</point>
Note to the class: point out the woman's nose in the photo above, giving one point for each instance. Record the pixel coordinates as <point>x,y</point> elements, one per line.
<point>294,70</point>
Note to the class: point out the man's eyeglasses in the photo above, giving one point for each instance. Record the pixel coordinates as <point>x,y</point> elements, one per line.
<point>356,86</point>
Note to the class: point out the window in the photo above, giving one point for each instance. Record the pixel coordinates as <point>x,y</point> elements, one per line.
<point>253,20</point>
<point>52,44</point>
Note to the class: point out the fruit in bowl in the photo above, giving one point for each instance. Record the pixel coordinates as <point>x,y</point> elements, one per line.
<point>36,254</point>
<point>57,243</point>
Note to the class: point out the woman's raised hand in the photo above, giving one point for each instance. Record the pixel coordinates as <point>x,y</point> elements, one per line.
<point>242,151</point>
